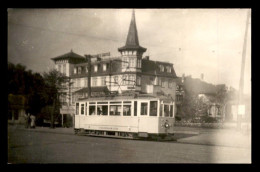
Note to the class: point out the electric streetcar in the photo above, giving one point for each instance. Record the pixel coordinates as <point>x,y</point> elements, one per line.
<point>125,117</point>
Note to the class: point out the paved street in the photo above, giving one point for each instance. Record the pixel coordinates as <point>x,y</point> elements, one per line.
<point>50,146</point>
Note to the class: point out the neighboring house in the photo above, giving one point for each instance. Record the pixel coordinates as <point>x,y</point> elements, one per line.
<point>129,73</point>
<point>209,94</point>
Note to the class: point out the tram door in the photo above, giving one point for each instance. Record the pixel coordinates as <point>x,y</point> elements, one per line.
<point>77,116</point>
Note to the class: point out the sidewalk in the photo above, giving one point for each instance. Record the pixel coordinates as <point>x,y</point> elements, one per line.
<point>202,136</point>
<point>58,130</point>
<point>216,137</point>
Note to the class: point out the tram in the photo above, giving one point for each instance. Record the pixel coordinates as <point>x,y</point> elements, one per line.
<point>125,117</point>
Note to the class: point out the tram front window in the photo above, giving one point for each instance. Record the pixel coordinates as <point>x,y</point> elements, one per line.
<point>82,109</point>
<point>153,108</point>
<point>166,111</point>
<point>127,110</point>
<point>171,110</point>
<point>102,110</point>
<point>115,110</point>
<point>92,110</point>
<point>144,107</point>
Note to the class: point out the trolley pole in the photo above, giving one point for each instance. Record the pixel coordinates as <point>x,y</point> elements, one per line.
<point>241,83</point>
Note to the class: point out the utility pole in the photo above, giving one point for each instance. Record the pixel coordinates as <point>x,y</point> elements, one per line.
<point>241,83</point>
<point>88,57</point>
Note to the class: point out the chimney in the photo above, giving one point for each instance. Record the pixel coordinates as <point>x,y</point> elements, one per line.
<point>146,57</point>
<point>202,76</point>
<point>182,79</point>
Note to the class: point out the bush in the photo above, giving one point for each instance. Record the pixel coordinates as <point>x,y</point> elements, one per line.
<point>178,118</point>
<point>207,119</point>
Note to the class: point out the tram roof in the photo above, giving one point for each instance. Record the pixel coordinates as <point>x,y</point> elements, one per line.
<point>127,97</point>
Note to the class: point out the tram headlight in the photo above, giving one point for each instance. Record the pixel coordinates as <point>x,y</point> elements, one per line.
<point>166,125</point>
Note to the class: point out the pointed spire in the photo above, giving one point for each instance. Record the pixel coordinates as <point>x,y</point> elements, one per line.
<point>132,37</point>
<point>132,41</point>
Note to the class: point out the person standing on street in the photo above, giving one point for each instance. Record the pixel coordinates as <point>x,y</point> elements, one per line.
<point>32,121</point>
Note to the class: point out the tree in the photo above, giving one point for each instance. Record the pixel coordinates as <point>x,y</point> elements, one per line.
<point>53,81</point>
<point>22,82</point>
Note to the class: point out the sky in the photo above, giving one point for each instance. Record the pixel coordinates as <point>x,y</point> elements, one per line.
<point>196,41</point>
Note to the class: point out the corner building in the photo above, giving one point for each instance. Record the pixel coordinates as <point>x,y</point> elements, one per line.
<point>128,74</point>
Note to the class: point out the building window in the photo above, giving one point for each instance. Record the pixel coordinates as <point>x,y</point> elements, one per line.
<point>115,80</point>
<point>153,108</point>
<point>64,69</point>
<point>161,68</point>
<point>132,62</point>
<point>160,81</point>
<point>138,80</point>
<point>164,83</point>
<point>78,82</point>
<point>94,82</point>
<point>86,82</point>
<point>104,67</point>
<point>103,81</point>
<point>75,70</point>
<point>144,107</point>
<point>79,70</point>
<point>170,83</point>
<point>131,80</point>
<point>59,68</point>
<point>168,68</point>
<point>139,63</point>
<point>95,68</point>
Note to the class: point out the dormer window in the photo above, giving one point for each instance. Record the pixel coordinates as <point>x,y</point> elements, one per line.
<point>168,69</point>
<point>161,68</point>
<point>95,68</point>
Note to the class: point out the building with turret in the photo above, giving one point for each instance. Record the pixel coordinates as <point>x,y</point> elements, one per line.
<point>129,73</point>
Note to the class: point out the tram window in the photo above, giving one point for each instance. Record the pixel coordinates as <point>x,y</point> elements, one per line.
<point>92,110</point>
<point>153,108</point>
<point>115,109</point>
<point>102,110</point>
<point>166,111</point>
<point>82,109</point>
<point>171,110</point>
<point>144,107</point>
<point>135,108</point>
<point>127,110</point>
<point>77,108</point>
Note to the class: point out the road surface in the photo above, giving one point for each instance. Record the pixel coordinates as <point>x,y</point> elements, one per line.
<point>29,146</point>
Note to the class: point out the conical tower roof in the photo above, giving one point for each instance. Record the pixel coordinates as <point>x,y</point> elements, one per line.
<point>132,41</point>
